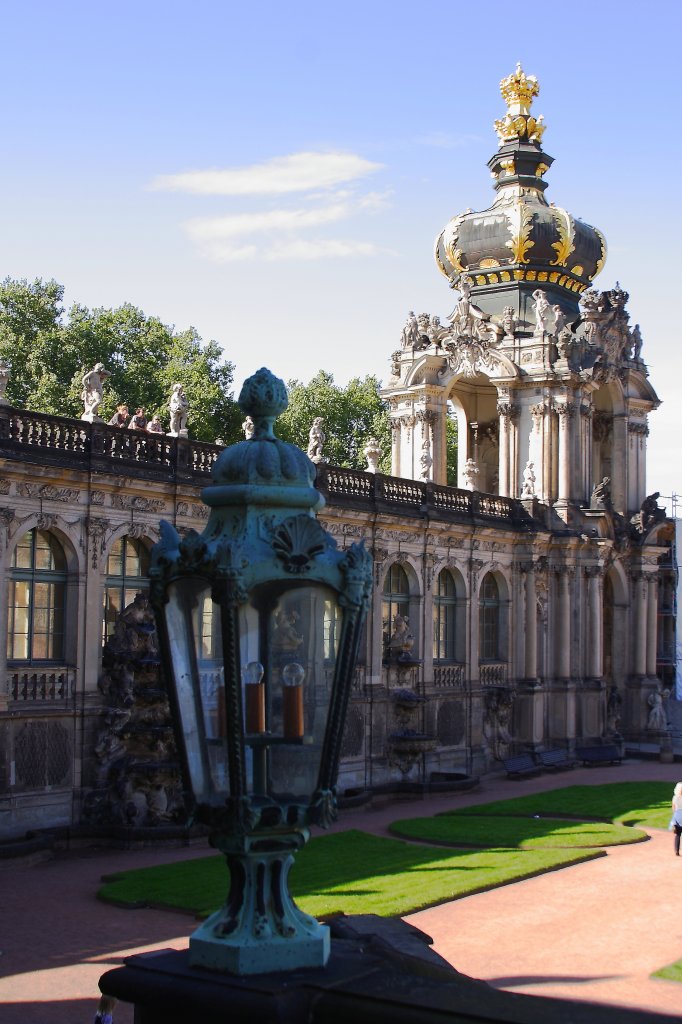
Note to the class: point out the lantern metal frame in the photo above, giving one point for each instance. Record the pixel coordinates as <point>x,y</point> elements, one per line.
<point>261,541</point>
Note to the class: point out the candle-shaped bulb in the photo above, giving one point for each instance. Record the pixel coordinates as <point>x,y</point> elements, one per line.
<point>253,672</point>
<point>293,674</point>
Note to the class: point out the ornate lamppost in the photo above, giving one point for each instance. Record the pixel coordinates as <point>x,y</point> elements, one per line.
<point>259,619</point>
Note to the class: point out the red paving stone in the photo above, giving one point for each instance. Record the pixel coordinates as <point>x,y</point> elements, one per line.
<point>592,932</point>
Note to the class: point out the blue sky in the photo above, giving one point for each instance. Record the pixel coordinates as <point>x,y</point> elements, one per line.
<point>275,174</point>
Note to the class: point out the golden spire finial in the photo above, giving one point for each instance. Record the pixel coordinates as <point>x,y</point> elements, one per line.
<point>518,91</point>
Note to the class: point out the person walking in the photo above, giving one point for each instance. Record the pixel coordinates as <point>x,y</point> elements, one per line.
<point>676,820</point>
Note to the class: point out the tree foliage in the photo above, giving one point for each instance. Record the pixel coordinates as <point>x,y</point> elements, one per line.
<point>48,352</point>
<point>351,416</point>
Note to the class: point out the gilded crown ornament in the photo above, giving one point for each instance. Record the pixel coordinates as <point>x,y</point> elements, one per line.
<point>518,91</point>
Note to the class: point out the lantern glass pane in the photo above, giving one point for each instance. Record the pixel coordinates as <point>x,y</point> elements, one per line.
<point>303,630</point>
<point>195,641</point>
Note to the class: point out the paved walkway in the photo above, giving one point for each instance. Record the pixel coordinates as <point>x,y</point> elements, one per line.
<point>593,932</point>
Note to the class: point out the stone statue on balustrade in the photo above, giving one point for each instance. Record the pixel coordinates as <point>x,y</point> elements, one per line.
<point>410,333</point>
<point>636,336</point>
<point>372,452</point>
<point>543,313</point>
<point>600,498</point>
<point>471,474</point>
<point>528,487</point>
<point>316,440</point>
<point>4,381</point>
<point>93,392</point>
<point>178,408</point>
<point>248,428</point>
<point>508,321</point>
<point>468,320</point>
<point>649,513</point>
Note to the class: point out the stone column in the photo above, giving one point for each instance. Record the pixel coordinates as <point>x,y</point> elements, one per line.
<point>396,429</point>
<point>562,644</point>
<point>640,609</point>
<point>504,411</point>
<point>652,627</point>
<point>475,566</point>
<point>595,623</point>
<point>531,666</point>
<point>565,462</point>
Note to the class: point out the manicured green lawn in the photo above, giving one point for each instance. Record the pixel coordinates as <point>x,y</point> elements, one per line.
<point>521,833</point>
<point>673,972</point>
<point>631,803</point>
<point>351,871</point>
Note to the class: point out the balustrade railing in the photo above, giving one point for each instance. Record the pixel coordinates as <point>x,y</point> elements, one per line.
<point>492,673</point>
<point>80,443</point>
<point>48,686</point>
<point>448,677</point>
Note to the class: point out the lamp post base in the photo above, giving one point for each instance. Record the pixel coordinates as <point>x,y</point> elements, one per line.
<point>260,929</point>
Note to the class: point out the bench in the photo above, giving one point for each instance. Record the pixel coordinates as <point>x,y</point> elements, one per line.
<point>607,753</point>
<point>556,760</point>
<point>524,764</point>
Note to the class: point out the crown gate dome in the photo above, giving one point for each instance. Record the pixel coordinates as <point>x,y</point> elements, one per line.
<point>521,242</point>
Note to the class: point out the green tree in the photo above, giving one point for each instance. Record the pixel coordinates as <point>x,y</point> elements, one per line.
<point>451,450</point>
<point>49,352</point>
<point>351,416</point>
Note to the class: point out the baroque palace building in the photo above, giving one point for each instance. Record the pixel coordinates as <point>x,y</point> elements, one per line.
<point>520,610</point>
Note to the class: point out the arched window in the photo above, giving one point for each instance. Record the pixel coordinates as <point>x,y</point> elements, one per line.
<point>489,619</point>
<point>396,600</point>
<point>445,618</point>
<point>127,575</point>
<point>37,596</point>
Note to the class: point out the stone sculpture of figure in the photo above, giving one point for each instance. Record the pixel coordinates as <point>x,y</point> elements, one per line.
<point>613,706</point>
<point>316,440</point>
<point>559,320</point>
<point>285,637</point>
<point>425,460</point>
<point>395,364</point>
<point>92,393</point>
<point>508,321</point>
<point>372,452</point>
<point>658,719</point>
<point>468,321</point>
<point>410,334</point>
<point>636,343</point>
<point>248,428</point>
<point>542,313</point>
<point>601,494</point>
<point>471,472</point>
<point>4,381</point>
<point>402,639</point>
<point>178,408</point>
<point>528,488</point>
<point>649,513</point>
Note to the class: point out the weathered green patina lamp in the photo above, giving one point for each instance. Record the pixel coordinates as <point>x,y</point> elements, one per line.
<point>260,618</point>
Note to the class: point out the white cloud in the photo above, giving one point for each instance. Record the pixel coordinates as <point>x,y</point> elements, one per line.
<point>298,172</point>
<point>207,229</point>
<point>293,249</point>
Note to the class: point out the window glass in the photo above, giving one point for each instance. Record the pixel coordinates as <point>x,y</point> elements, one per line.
<point>37,595</point>
<point>489,619</point>
<point>127,575</point>
<point>396,601</point>
<point>445,618</point>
